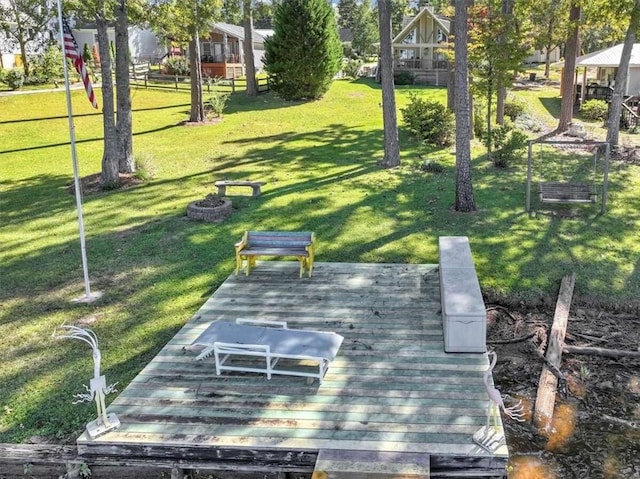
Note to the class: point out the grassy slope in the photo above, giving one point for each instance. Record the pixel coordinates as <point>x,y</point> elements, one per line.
<point>156,268</point>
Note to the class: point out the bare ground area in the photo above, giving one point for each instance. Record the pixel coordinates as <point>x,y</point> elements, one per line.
<point>595,431</point>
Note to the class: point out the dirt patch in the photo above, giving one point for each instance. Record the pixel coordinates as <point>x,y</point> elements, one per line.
<point>92,184</point>
<point>596,428</point>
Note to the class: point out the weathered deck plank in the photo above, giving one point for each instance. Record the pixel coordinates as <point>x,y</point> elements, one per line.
<point>391,388</point>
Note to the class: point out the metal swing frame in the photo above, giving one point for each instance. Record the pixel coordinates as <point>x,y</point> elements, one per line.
<point>569,192</point>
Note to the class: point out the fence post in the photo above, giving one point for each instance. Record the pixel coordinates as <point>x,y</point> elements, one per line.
<point>176,77</point>
<point>233,85</point>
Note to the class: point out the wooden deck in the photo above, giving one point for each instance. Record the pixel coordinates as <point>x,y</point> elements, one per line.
<point>391,389</point>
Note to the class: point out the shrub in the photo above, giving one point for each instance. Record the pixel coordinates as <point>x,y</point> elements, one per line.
<point>95,53</point>
<point>217,103</point>
<point>508,144</point>
<point>351,69</point>
<point>46,67</point>
<point>513,109</point>
<point>431,166</point>
<point>14,78</point>
<point>595,110</point>
<point>178,65</point>
<point>86,53</point>
<point>404,78</point>
<point>429,121</point>
<point>145,170</point>
<point>304,54</point>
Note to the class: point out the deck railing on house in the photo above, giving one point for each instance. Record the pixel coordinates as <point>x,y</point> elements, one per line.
<point>418,64</point>
<point>629,117</point>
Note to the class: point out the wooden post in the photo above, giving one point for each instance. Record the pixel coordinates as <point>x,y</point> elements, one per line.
<point>545,400</point>
<point>529,175</point>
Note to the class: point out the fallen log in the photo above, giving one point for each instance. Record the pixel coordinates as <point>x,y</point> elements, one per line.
<point>605,352</point>
<point>623,422</point>
<point>548,384</point>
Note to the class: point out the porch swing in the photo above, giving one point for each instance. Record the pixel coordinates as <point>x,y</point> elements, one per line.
<point>569,191</point>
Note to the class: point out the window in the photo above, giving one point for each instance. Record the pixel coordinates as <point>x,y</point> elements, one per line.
<point>411,37</point>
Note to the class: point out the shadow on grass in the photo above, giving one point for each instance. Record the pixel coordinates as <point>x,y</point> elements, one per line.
<point>81,115</point>
<point>86,140</point>
<point>552,105</point>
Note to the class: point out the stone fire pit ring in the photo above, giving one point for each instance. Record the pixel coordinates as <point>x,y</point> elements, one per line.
<point>204,211</point>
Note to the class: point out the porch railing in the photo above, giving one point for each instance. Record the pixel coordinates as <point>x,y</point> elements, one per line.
<point>418,64</point>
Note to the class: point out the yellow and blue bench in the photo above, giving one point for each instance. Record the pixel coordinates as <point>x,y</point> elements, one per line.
<point>299,244</point>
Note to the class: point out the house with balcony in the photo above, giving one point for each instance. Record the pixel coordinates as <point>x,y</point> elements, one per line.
<point>419,47</point>
<point>222,52</point>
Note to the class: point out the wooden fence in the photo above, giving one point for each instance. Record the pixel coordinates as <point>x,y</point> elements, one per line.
<point>141,75</point>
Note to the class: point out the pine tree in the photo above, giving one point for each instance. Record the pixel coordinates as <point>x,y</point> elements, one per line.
<point>305,53</point>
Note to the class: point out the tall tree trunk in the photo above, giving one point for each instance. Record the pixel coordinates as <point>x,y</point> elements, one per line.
<point>123,120</point>
<point>20,37</point>
<point>197,107</point>
<point>501,97</point>
<point>252,86</point>
<point>619,88</point>
<point>566,86</point>
<point>451,75</point>
<point>464,189</point>
<point>489,115</point>
<point>109,175</point>
<point>389,115</point>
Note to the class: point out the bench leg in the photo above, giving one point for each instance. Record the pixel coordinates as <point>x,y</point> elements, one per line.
<point>238,263</point>
<point>310,266</point>
<point>256,190</point>
<point>251,263</point>
<point>222,190</point>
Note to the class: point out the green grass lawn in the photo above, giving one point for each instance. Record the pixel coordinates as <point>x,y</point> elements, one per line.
<point>156,268</point>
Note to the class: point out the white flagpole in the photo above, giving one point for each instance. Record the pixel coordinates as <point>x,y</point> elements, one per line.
<point>89,296</point>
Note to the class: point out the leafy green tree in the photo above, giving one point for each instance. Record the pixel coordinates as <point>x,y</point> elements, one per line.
<point>365,29</point>
<point>546,22</point>
<point>184,21</point>
<point>262,14</point>
<point>23,21</point>
<point>399,8</point>
<point>305,53</point>
<point>231,12</point>
<point>496,51</point>
<point>348,12</point>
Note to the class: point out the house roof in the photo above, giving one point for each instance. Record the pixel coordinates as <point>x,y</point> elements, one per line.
<point>443,22</point>
<point>236,31</point>
<point>609,57</point>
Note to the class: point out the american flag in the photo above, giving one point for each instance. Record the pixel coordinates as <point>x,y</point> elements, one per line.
<point>72,52</point>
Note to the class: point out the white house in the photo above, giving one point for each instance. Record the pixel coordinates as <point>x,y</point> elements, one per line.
<point>144,45</point>
<point>606,63</point>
